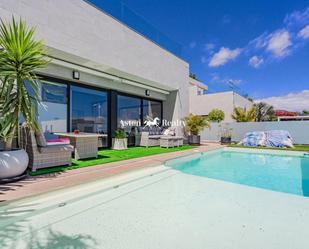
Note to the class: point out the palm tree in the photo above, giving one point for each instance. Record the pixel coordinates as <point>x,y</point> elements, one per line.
<point>264,112</point>
<point>20,56</point>
<point>242,115</point>
<point>304,113</point>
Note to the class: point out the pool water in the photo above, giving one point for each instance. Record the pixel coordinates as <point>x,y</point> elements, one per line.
<point>289,174</point>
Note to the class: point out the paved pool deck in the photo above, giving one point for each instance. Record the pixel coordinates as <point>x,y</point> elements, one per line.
<point>31,186</point>
<point>157,208</point>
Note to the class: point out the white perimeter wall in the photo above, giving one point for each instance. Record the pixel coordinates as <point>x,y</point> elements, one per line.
<point>225,101</point>
<point>299,130</point>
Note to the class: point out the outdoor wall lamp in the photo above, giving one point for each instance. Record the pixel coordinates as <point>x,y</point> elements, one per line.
<point>76,75</point>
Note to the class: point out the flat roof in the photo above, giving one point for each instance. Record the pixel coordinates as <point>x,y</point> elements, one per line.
<point>198,83</point>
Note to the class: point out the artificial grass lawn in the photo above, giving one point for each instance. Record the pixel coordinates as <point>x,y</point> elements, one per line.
<point>297,147</point>
<point>109,155</point>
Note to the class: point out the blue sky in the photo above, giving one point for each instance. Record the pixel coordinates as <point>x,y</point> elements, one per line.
<point>261,46</point>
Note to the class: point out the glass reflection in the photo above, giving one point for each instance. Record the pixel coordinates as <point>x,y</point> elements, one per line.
<point>53,115</point>
<point>89,110</point>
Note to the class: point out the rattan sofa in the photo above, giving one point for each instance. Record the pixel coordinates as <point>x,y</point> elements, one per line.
<point>151,136</point>
<point>46,156</point>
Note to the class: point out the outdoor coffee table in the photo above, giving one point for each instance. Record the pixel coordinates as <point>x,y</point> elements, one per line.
<point>171,141</point>
<point>85,144</point>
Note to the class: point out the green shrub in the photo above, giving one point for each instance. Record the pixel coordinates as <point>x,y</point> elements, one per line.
<point>216,115</point>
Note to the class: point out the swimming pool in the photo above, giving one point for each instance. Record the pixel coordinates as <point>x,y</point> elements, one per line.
<point>278,171</point>
<point>157,208</point>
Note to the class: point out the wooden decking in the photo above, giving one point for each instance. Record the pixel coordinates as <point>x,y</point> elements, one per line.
<point>42,184</point>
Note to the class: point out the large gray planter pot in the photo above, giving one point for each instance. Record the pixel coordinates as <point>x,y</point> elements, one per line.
<point>120,143</point>
<point>194,139</point>
<point>13,163</point>
<point>226,140</point>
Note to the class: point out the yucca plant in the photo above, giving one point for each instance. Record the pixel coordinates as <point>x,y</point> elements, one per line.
<point>20,56</point>
<point>195,124</point>
<point>242,115</point>
<point>6,113</point>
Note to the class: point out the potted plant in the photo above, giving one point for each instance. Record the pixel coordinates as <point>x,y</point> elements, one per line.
<point>20,56</point>
<point>226,135</point>
<point>194,125</point>
<point>120,142</point>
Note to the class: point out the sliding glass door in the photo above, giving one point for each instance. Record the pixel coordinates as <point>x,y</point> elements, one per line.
<point>68,107</point>
<point>52,115</point>
<point>152,109</point>
<point>89,111</point>
<point>128,111</point>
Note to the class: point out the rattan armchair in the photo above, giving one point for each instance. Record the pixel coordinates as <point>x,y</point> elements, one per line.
<point>46,156</point>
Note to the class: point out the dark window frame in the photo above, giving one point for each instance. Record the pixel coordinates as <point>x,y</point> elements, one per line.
<point>110,109</point>
<point>141,100</point>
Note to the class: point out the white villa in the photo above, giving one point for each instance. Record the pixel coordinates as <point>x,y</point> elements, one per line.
<point>201,102</point>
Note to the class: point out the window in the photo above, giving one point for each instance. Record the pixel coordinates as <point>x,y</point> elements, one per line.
<point>128,111</point>
<point>52,116</point>
<point>89,110</point>
<point>152,109</point>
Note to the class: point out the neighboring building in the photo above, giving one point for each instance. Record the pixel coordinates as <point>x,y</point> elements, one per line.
<point>101,70</point>
<point>201,102</point>
<point>196,88</point>
<point>293,118</point>
<point>284,113</point>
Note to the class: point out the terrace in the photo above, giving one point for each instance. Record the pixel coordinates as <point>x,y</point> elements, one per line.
<point>112,163</point>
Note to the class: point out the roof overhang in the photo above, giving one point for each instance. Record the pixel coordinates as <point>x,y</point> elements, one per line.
<point>72,61</point>
<point>197,83</point>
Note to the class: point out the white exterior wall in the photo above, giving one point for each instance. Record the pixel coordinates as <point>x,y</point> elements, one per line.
<point>240,101</point>
<point>79,33</point>
<point>299,130</point>
<point>225,101</point>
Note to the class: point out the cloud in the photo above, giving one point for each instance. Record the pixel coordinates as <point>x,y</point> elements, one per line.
<point>215,78</point>
<point>233,81</point>
<point>260,42</point>
<point>279,43</point>
<point>209,47</point>
<point>297,19</point>
<point>203,59</point>
<point>256,61</point>
<point>229,81</point>
<point>223,56</point>
<point>276,44</point>
<point>192,44</point>
<point>291,102</point>
<point>304,33</point>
